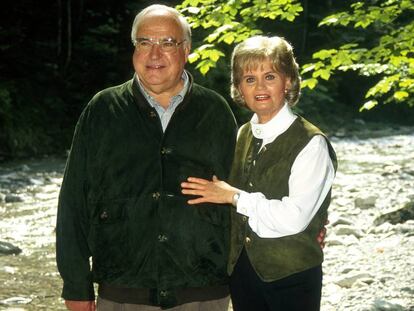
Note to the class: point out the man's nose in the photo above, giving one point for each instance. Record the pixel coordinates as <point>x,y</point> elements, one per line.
<point>155,51</point>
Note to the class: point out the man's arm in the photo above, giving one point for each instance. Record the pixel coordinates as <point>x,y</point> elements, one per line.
<point>72,251</point>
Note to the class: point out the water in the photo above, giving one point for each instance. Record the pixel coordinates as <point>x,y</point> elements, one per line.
<point>29,281</point>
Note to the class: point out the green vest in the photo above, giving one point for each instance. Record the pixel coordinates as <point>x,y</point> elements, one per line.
<point>275,258</point>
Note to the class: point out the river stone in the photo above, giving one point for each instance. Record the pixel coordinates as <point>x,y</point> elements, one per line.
<point>382,305</point>
<point>16,300</point>
<point>397,217</point>
<point>366,202</point>
<point>348,230</point>
<point>7,248</point>
<point>12,198</point>
<point>349,279</point>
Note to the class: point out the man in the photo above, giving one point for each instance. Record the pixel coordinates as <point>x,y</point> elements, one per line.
<point>120,203</point>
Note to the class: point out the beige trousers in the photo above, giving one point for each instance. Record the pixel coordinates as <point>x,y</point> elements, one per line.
<point>221,304</point>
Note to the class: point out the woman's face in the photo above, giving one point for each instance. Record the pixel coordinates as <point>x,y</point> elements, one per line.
<point>263,90</point>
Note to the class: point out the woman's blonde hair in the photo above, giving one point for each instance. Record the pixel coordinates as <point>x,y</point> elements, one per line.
<point>255,50</point>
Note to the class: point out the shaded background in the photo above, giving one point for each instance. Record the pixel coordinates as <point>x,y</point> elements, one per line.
<point>55,55</point>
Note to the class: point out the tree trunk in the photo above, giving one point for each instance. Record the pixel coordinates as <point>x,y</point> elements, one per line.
<point>59,30</point>
<point>69,34</point>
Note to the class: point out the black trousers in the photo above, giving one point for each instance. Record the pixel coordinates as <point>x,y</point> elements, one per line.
<point>297,292</point>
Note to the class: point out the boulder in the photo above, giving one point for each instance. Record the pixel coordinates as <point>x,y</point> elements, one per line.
<point>7,248</point>
<point>398,216</point>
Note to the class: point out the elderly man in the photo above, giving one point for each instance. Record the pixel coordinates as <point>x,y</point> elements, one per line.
<point>120,203</point>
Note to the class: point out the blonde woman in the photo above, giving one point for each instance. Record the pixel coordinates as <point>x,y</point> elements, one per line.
<point>279,187</point>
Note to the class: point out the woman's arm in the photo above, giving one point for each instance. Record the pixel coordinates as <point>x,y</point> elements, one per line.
<point>311,179</point>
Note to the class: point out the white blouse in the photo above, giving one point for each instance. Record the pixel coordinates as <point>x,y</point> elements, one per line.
<point>311,178</point>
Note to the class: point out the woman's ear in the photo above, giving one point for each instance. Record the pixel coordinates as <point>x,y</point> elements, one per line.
<point>288,84</point>
<point>241,93</point>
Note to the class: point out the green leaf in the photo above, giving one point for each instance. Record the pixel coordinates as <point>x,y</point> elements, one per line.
<point>401,95</point>
<point>325,74</point>
<point>193,57</point>
<point>324,54</point>
<point>310,83</point>
<point>368,105</point>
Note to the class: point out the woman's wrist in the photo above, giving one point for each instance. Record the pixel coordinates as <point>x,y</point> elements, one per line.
<point>235,198</point>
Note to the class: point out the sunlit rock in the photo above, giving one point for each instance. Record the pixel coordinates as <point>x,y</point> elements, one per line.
<point>366,202</point>
<point>13,198</point>
<point>398,216</point>
<point>7,248</point>
<point>383,305</point>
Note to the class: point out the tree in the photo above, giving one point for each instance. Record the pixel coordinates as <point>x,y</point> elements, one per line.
<point>389,56</point>
<point>232,21</point>
<point>385,54</point>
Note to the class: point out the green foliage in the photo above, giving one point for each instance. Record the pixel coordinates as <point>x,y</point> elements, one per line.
<point>231,22</point>
<point>383,50</point>
<point>389,57</point>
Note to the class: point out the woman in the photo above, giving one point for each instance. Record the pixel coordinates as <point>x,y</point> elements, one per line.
<point>279,186</point>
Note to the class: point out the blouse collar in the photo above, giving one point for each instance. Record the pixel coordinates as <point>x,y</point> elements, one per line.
<point>275,126</point>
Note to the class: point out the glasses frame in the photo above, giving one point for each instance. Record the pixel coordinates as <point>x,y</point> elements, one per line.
<point>151,42</point>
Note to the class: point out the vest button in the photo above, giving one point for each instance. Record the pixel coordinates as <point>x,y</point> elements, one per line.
<point>163,293</point>
<point>153,114</point>
<point>250,184</point>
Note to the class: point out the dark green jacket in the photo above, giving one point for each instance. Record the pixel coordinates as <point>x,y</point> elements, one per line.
<point>275,258</point>
<point>121,202</point>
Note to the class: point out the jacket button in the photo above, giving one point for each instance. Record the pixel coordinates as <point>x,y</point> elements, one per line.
<point>153,114</point>
<point>166,150</point>
<point>250,184</point>
<point>163,293</point>
<point>162,238</point>
<point>156,195</point>
<point>104,215</point>
<point>244,218</point>
<point>248,240</point>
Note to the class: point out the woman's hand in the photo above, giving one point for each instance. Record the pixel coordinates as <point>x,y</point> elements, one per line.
<point>214,191</point>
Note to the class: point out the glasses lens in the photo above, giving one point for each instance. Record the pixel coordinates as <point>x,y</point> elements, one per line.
<point>168,45</point>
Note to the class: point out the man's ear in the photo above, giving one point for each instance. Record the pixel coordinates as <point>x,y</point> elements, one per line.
<point>187,50</point>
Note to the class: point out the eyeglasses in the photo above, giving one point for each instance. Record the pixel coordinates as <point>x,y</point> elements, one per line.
<point>167,45</point>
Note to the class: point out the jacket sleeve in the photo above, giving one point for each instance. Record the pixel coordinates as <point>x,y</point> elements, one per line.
<point>72,251</point>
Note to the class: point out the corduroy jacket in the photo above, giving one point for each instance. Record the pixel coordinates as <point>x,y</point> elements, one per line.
<point>121,203</point>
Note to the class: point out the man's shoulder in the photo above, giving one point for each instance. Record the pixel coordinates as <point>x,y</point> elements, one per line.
<point>113,91</point>
<point>206,93</point>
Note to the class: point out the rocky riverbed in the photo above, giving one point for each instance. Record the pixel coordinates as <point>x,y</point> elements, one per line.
<point>369,256</point>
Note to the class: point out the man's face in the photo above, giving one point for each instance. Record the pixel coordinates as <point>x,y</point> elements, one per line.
<point>159,71</point>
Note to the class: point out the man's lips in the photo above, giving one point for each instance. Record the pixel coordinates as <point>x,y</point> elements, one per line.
<point>155,66</point>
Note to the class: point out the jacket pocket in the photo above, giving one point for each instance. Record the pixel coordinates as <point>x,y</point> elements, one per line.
<point>109,239</point>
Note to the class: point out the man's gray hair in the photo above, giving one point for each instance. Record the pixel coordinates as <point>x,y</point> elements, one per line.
<point>160,7</point>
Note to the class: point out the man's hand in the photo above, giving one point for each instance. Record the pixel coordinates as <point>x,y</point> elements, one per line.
<point>74,305</point>
<point>322,235</point>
